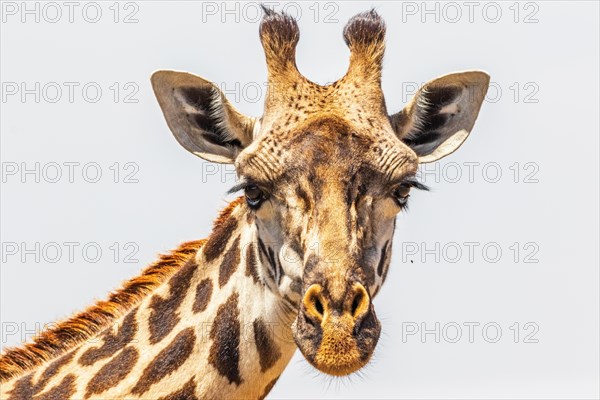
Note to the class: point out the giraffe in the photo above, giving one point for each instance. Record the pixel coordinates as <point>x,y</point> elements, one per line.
<point>293,263</point>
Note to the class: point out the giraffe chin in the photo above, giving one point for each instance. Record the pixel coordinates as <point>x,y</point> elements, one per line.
<point>337,346</point>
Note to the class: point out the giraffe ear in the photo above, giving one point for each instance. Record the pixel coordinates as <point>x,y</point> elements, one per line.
<point>441,114</point>
<point>200,117</point>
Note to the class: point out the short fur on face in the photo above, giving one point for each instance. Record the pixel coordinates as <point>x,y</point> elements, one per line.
<point>326,170</point>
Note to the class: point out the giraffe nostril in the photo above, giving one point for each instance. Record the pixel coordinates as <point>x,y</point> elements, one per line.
<point>319,306</point>
<point>355,303</point>
<point>314,304</point>
<point>360,302</point>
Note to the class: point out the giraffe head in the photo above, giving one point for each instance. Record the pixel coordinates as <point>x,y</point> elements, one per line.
<point>325,171</point>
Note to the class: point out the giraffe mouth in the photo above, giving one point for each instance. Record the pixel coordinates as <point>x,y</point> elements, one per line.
<point>338,344</point>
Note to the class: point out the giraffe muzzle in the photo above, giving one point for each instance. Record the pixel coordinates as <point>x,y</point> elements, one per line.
<point>337,335</point>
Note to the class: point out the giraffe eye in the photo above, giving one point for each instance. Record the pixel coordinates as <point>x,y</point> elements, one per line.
<point>401,194</point>
<point>254,196</point>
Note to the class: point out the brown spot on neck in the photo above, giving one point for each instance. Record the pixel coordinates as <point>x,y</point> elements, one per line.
<point>52,370</point>
<point>113,342</point>
<point>113,372</point>
<point>64,390</point>
<point>167,361</point>
<point>203,294</point>
<point>230,262</point>
<point>268,350</point>
<point>225,333</point>
<point>23,389</point>
<point>165,316</point>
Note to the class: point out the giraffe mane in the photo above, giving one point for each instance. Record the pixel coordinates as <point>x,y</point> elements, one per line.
<point>86,324</point>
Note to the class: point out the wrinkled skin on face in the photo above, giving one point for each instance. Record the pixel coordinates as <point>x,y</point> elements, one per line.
<point>325,171</point>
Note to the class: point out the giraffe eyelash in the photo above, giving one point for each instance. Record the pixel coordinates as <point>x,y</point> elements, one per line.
<point>411,181</point>
<point>246,183</point>
<point>239,187</point>
<point>414,183</point>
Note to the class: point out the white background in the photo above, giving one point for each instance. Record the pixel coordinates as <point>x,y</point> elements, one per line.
<point>542,113</point>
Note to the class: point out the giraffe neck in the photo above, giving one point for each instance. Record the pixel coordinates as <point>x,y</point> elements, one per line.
<point>214,329</point>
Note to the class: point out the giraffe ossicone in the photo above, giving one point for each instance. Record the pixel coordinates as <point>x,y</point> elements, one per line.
<point>293,263</point>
